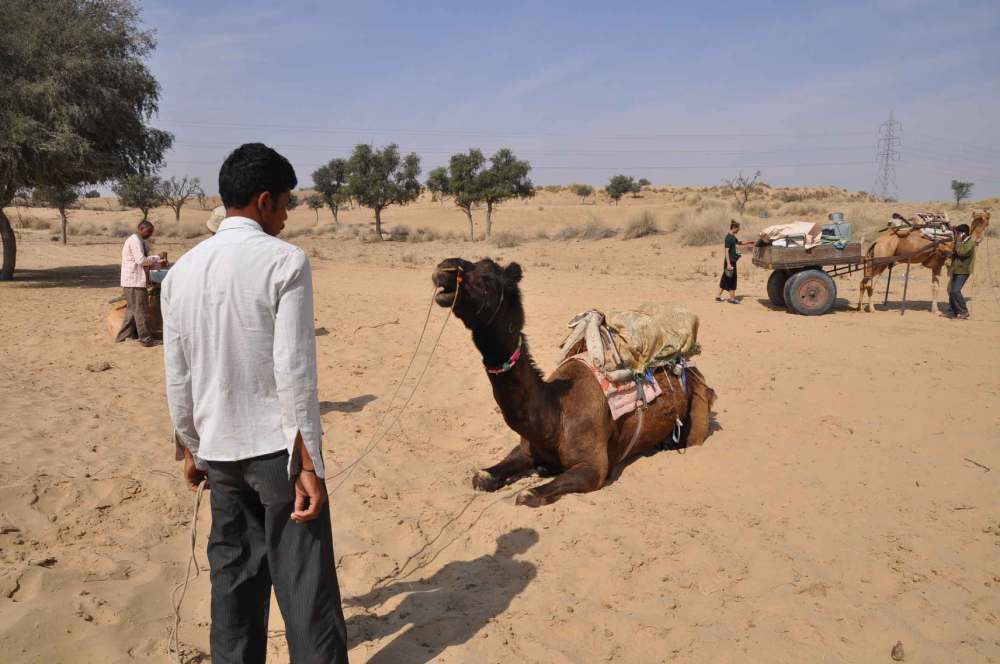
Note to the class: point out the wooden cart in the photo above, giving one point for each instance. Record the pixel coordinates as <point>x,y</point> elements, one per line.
<point>802,279</point>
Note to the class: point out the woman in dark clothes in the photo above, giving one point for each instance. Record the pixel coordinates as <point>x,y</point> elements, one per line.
<point>728,281</point>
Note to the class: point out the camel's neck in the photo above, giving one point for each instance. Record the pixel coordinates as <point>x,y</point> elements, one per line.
<point>523,396</point>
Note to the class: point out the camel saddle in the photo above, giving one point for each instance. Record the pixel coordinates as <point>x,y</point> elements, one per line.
<point>624,344</point>
<point>934,226</point>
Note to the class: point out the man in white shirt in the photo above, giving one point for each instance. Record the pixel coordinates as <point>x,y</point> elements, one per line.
<point>239,343</point>
<point>135,262</point>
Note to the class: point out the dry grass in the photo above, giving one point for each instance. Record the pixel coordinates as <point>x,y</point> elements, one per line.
<point>507,239</point>
<point>703,229</point>
<point>641,226</point>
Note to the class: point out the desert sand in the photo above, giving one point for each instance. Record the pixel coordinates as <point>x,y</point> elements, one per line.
<point>842,503</point>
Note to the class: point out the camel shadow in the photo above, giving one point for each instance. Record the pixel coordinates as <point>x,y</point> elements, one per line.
<point>355,405</point>
<point>448,608</point>
<point>76,276</point>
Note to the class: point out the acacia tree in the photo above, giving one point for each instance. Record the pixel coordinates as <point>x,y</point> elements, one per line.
<point>506,178</point>
<point>331,184</point>
<point>961,190</point>
<point>743,187</point>
<point>315,203</point>
<point>465,183</point>
<point>618,186</point>
<point>175,193</point>
<point>583,191</point>
<point>61,197</point>
<point>140,191</point>
<point>437,184</point>
<point>380,178</point>
<point>77,96</point>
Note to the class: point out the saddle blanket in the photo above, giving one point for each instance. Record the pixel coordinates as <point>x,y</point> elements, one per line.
<point>623,398</point>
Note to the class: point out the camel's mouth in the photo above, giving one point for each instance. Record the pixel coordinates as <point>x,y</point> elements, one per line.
<point>447,288</point>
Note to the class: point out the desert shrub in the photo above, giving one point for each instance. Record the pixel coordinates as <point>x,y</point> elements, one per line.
<point>992,231</point>
<point>704,229</point>
<point>118,231</point>
<point>756,210</point>
<point>640,226</point>
<point>596,230</point>
<point>290,233</point>
<point>507,239</point>
<point>84,228</point>
<point>409,258</point>
<point>800,209</point>
<point>552,188</point>
<point>33,223</point>
<point>423,234</point>
<point>399,233</point>
<point>541,234</point>
<point>567,233</point>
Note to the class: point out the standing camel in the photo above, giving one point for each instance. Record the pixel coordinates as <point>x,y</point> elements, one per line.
<point>920,250</point>
<point>564,421</point>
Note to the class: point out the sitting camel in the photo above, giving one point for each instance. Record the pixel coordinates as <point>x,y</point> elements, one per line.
<point>564,421</point>
<point>921,250</point>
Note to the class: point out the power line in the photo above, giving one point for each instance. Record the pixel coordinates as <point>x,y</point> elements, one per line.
<point>886,156</point>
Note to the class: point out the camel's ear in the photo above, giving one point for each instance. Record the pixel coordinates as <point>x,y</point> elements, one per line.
<point>513,273</point>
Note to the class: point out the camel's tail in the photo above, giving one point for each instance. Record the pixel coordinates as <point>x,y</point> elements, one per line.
<point>698,422</point>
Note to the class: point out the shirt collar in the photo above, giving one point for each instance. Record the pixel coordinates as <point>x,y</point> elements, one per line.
<point>239,222</point>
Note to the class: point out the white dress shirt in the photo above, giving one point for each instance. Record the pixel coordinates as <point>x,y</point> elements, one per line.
<point>240,347</point>
<point>135,260</point>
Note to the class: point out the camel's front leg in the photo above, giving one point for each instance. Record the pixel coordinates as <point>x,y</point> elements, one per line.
<point>935,283</point>
<point>581,478</point>
<point>865,287</point>
<point>514,465</point>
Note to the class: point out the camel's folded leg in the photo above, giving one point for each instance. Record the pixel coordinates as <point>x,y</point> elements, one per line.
<point>516,464</point>
<point>581,478</point>
<point>698,420</point>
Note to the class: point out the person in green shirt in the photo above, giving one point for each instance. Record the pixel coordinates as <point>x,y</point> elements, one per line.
<point>962,262</point>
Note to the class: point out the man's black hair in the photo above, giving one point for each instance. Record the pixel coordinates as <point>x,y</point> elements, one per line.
<point>251,169</point>
<point>145,223</point>
<point>963,229</point>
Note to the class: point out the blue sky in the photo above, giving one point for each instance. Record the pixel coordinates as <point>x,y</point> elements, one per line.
<point>677,93</point>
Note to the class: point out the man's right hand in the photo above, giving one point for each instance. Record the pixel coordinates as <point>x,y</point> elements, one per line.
<point>192,475</point>
<point>310,494</point>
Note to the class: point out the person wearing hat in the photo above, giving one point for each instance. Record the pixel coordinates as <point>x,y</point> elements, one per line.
<point>963,261</point>
<point>218,216</point>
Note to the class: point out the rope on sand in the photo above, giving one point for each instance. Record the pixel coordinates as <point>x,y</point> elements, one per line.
<point>183,586</point>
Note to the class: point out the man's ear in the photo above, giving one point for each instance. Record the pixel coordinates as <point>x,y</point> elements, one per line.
<point>513,272</point>
<point>265,201</point>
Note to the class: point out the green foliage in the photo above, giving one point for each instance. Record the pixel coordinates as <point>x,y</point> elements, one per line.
<point>582,190</point>
<point>331,183</point>
<point>506,178</point>
<point>961,190</point>
<point>175,193</point>
<point>93,193</point>
<point>619,185</point>
<point>437,183</point>
<point>465,182</point>
<point>380,178</point>
<point>293,202</point>
<point>315,203</point>
<point>60,197</point>
<point>643,182</point>
<point>139,191</point>
<point>76,98</point>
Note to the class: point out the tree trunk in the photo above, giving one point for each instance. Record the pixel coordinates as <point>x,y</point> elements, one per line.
<point>62,214</point>
<point>177,213</point>
<point>489,220</point>
<point>145,213</point>
<point>378,222</point>
<point>9,246</point>
<point>472,228</point>
<point>316,210</point>
<point>336,219</point>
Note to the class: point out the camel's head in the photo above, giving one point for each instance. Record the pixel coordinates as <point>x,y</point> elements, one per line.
<point>980,222</point>
<point>482,294</point>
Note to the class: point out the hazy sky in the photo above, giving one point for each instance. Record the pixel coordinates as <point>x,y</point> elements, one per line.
<point>677,93</point>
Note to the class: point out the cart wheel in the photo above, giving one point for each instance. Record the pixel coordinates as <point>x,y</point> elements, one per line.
<point>776,287</point>
<point>810,293</point>
<point>786,290</point>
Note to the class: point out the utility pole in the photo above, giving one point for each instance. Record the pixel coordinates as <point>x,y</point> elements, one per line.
<point>886,156</point>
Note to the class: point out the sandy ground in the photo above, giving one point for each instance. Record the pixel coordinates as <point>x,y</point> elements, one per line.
<point>839,506</point>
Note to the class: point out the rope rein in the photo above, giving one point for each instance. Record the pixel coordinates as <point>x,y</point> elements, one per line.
<point>174,643</point>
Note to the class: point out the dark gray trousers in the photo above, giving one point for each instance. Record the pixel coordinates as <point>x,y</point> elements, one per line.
<point>955,298</point>
<point>253,544</point>
<point>136,323</point>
